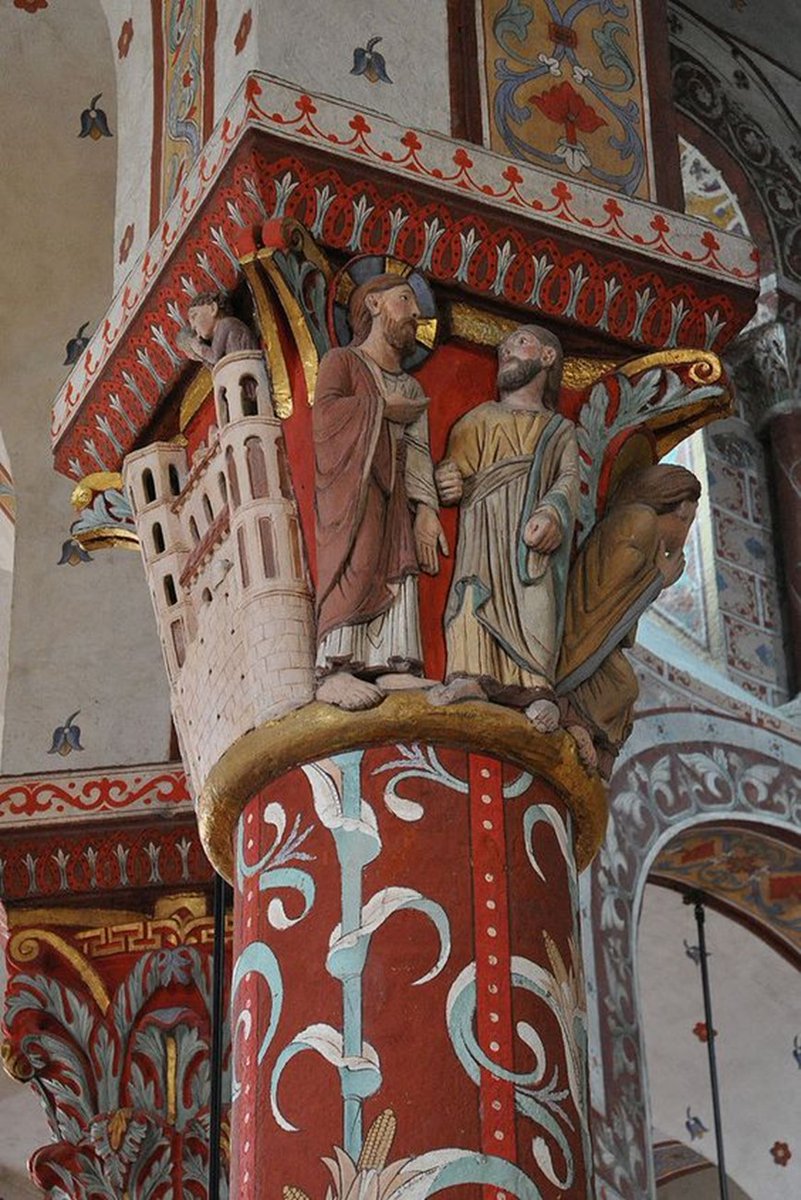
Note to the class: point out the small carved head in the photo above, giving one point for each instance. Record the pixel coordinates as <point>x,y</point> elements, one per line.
<point>671,491</point>
<point>204,312</point>
<point>523,354</point>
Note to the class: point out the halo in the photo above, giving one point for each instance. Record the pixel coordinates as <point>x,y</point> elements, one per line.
<point>366,266</point>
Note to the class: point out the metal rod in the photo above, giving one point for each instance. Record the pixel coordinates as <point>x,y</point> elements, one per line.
<point>697,900</point>
<point>217,1021</point>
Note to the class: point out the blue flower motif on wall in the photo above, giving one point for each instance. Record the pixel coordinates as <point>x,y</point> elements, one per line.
<point>370,63</point>
<point>76,345</point>
<point>66,737</point>
<point>94,122</point>
<point>695,1126</point>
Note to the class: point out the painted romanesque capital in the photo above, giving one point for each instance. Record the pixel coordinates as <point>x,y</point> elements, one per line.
<point>108,1017</point>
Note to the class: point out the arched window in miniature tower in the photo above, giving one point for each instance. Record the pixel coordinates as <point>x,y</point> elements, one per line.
<point>249,389</point>
<point>267,539</point>
<point>244,569</point>
<point>179,644</point>
<point>222,406</point>
<point>257,468</point>
<point>175,479</point>
<point>294,548</point>
<point>148,486</point>
<point>284,477</point>
<point>158,538</point>
<point>194,531</point>
<point>207,509</point>
<point>169,590</point>
<point>223,486</point>
<point>233,481</point>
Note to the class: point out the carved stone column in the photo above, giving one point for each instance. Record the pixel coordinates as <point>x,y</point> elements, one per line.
<point>408,991</point>
<point>785,439</point>
<point>768,379</point>
<point>108,1017</point>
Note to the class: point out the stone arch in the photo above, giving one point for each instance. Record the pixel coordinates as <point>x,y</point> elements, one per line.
<point>679,769</point>
<point>711,87</point>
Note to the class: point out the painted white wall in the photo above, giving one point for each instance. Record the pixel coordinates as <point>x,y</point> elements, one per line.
<point>312,44</point>
<point>81,637</point>
<point>757,1011</point>
<point>134,127</point>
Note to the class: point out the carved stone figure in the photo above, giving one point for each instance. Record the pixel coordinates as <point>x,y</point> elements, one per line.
<point>375,502</point>
<point>215,331</point>
<point>512,464</point>
<point>634,552</point>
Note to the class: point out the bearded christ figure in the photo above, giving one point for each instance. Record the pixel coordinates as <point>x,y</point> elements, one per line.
<point>512,466</point>
<point>376,502</point>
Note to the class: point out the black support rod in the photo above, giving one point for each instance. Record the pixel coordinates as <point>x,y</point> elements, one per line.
<point>697,901</point>
<point>218,1017</point>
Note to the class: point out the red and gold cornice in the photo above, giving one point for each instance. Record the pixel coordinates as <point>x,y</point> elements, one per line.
<point>500,233</point>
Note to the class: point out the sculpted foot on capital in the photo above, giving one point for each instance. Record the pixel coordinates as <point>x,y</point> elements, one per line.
<point>403,681</point>
<point>543,715</point>
<point>456,691</point>
<point>348,692</point>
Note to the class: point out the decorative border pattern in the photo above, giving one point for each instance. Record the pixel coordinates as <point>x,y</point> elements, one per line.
<point>73,795</point>
<point>146,360</point>
<point>75,862</point>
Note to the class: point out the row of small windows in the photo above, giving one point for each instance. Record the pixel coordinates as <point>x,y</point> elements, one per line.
<point>258,481</point>
<point>269,561</point>
<point>248,392</point>
<point>149,485</point>
<point>258,478</point>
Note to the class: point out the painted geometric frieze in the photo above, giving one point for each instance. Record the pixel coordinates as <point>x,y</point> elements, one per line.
<point>629,270</point>
<point>80,861</point>
<point>68,796</point>
<point>397,908</point>
<point>679,770</point>
<point>115,1038</point>
<point>565,89</point>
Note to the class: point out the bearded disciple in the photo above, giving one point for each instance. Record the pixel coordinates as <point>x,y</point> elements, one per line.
<point>512,464</point>
<point>631,555</point>
<point>375,502</point>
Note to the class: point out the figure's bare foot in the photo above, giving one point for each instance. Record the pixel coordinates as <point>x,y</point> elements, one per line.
<point>585,745</point>
<point>346,691</point>
<point>543,715</point>
<point>456,691</point>
<point>402,681</point>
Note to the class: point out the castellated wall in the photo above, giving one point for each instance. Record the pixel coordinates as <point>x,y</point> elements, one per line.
<point>226,568</point>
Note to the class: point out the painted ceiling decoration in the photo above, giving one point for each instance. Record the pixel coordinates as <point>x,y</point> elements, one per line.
<point>705,89</point>
<point>755,877</point>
